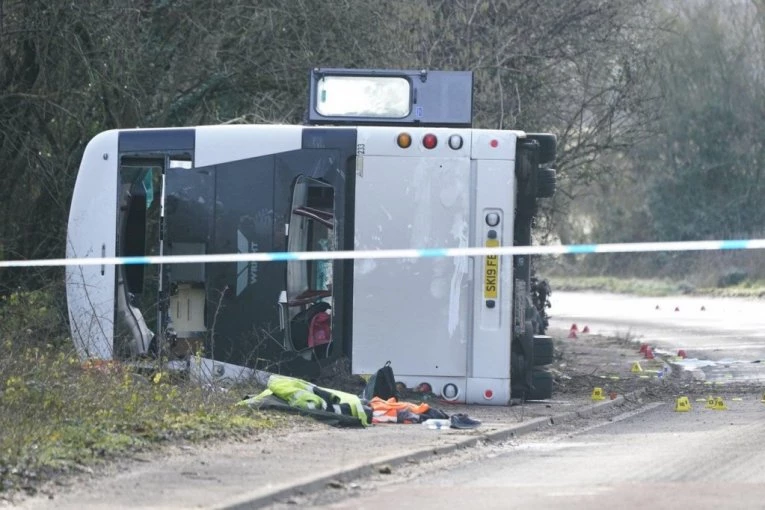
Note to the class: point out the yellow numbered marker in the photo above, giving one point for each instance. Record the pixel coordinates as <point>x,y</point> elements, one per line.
<point>682,405</point>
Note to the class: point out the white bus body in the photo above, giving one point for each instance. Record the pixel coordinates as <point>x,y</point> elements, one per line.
<point>464,326</point>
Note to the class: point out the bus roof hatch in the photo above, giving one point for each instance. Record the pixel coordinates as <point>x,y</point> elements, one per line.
<point>391,97</point>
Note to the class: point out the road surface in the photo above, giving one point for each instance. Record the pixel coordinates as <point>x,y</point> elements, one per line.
<point>656,459</point>
<point>724,337</point>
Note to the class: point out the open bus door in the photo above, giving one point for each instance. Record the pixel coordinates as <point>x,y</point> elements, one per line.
<point>257,314</point>
<point>308,301</point>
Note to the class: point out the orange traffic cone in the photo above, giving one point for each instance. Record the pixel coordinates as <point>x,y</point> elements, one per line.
<point>649,353</point>
<point>681,354</point>
<point>677,308</point>
<point>643,348</point>
<point>572,334</point>
<point>574,327</point>
<point>586,330</point>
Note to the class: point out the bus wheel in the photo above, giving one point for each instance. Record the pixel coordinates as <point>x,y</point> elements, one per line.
<point>548,145</point>
<point>546,182</point>
<point>542,389</point>
<point>543,350</point>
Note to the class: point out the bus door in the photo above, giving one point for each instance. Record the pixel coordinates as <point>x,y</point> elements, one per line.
<point>137,286</point>
<point>244,311</point>
<point>307,304</point>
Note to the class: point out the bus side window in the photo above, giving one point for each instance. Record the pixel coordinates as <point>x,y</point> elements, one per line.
<point>309,282</point>
<point>311,228</point>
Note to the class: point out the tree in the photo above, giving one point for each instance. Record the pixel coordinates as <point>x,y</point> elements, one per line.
<point>707,166</point>
<point>71,69</point>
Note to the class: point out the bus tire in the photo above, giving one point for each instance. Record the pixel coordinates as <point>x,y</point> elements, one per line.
<point>546,182</point>
<point>544,350</point>
<point>548,144</point>
<point>542,385</point>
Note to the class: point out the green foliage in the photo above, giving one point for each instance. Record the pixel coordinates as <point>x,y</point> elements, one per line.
<point>637,286</point>
<point>57,413</point>
<point>655,287</point>
<point>707,169</point>
<point>698,173</point>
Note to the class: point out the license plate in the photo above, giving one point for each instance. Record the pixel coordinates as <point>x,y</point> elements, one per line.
<point>491,272</point>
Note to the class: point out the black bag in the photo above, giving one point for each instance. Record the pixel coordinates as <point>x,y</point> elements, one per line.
<point>382,385</point>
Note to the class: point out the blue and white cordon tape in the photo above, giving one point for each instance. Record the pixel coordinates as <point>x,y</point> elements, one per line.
<point>742,244</point>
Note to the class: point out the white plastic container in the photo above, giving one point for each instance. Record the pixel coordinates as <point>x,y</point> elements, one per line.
<point>437,424</point>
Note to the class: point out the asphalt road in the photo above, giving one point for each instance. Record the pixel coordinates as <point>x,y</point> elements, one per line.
<point>724,337</point>
<point>656,459</point>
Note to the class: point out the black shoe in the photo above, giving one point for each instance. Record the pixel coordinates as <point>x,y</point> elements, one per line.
<point>463,421</point>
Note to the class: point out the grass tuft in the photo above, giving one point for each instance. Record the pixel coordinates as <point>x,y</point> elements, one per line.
<point>654,287</point>
<point>58,414</point>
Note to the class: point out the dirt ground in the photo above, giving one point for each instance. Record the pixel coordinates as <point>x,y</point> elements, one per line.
<point>580,366</point>
<point>590,361</point>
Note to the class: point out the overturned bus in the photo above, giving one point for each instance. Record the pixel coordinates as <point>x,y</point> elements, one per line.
<point>385,160</point>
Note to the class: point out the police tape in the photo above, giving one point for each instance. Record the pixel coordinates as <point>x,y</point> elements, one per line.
<point>576,249</point>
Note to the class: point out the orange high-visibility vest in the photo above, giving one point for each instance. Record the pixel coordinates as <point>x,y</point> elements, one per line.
<point>387,411</point>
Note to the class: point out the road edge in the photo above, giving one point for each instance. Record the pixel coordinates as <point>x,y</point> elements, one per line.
<point>257,499</point>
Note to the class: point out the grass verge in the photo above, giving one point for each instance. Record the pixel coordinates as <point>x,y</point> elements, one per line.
<point>58,415</point>
<point>654,287</point>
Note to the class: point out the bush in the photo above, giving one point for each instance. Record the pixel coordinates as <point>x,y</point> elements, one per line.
<point>57,413</point>
<point>732,276</point>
